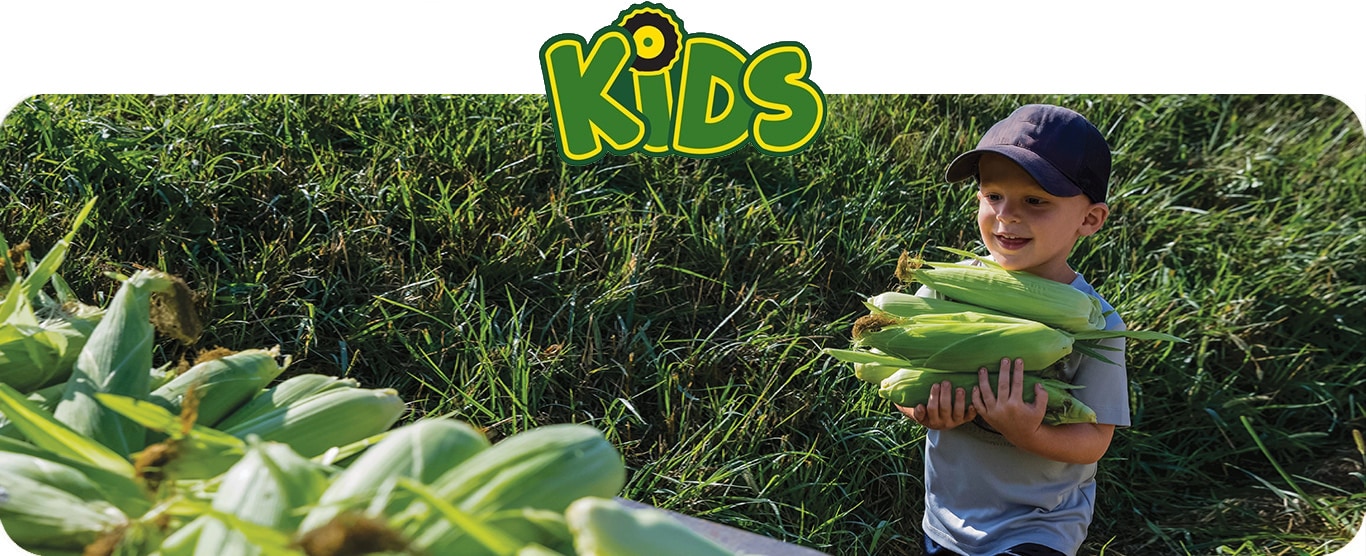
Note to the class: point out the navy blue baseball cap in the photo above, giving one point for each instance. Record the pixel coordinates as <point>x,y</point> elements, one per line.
<point>1062,151</point>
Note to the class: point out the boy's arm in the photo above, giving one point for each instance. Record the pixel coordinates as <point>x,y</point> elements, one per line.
<point>1022,423</point>
<point>1073,443</point>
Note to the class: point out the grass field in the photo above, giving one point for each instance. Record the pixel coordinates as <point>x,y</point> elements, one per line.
<point>438,245</point>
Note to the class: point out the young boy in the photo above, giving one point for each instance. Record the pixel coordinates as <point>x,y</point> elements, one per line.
<point>997,480</point>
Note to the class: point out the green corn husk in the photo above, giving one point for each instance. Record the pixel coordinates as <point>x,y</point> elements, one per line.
<point>967,341</point>
<point>422,451</point>
<point>46,269</point>
<point>51,473</point>
<point>870,365</point>
<point>45,398</point>
<point>190,451</point>
<point>68,327</point>
<point>38,514</point>
<point>40,338</point>
<point>116,360</point>
<point>544,468</point>
<point>906,305</point>
<point>442,528</point>
<point>116,488</point>
<point>184,458</point>
<point>351,533</point>
<point>875,373</point>
<point>523,526</point>
<point>287,392</point>
<point>605,527</point>
<point>184,539</point>
<point>910,387</point>
<point>222,384</point>
<point>269,487</point>
<point>1015,293</point>
<point>27,359</point>
<point>44,431</point>
<point>334,417</point>
<point>537,549</point>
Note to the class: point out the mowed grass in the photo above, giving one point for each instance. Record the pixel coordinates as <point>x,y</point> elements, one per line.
<point>438,245</point>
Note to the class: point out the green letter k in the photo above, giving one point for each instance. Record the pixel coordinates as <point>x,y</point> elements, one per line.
<point>585,114</point>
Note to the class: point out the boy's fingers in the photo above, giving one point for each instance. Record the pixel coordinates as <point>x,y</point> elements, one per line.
<point>1003,381</point>
<point>1040,397</point>
<point>933,405</point>
<point>946,405</point>
<point>1017,378</point>
<point>983,390</point>
<point>960,405</point>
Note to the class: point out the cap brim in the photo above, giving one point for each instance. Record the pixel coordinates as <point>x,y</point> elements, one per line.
<point>1052,181</point>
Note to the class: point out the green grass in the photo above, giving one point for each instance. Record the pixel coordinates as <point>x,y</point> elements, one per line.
<point>439,246</point>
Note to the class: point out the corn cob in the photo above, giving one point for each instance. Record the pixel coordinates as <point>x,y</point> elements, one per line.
<point>967,341</point>
<point>1015,293</point>
<point>40,513</point>
<point>537,549</point>
<point>68,329</point>
<point>874,373</point>
<point>605,527</point>
<point>870,365</point>
<point>184,540</point>
<point>268,487</point>
<point>27,357</point>
<point>191,451</point>
<point>531,526</point>
<point>331,418</point>
<point>544,468</point>
<point>905,305</point>
<point>909,387</point>
<point>286,393</point>
<point>115,360</point>
<point>51,473</point>
<point>520,526</point>
<point>116,488</point>
<point>422,451</point>
<point>44,431</point>
<point>222,384</point>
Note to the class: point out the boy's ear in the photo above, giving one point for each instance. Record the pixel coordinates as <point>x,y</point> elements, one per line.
<point>1095,218</point>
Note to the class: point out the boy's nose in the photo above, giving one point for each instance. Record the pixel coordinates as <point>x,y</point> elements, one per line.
<point>1007,213</point>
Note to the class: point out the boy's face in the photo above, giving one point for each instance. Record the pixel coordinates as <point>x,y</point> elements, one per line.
<point>1027,228</point>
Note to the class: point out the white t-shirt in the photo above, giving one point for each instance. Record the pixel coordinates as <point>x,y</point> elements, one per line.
<point>984,495</point>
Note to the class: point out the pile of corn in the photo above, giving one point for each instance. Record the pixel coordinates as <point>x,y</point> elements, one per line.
<point>907,344</point>
<point>101,453</point>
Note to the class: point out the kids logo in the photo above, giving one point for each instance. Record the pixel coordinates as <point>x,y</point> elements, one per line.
<point>643,84</point>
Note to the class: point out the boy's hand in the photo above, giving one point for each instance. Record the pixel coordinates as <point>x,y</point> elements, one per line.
<point>944,410</point>
<point>1005,409</point>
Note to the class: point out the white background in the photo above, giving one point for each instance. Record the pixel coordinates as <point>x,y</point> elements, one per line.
<point>993,46</point>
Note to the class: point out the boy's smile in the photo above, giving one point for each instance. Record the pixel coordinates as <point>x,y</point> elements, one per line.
<point>1027,228</point>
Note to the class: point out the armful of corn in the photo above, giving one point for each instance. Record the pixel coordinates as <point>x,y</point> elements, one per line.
<point>908,343</point>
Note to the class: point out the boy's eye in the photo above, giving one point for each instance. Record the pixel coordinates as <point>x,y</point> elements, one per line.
<point>1034,201</point>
